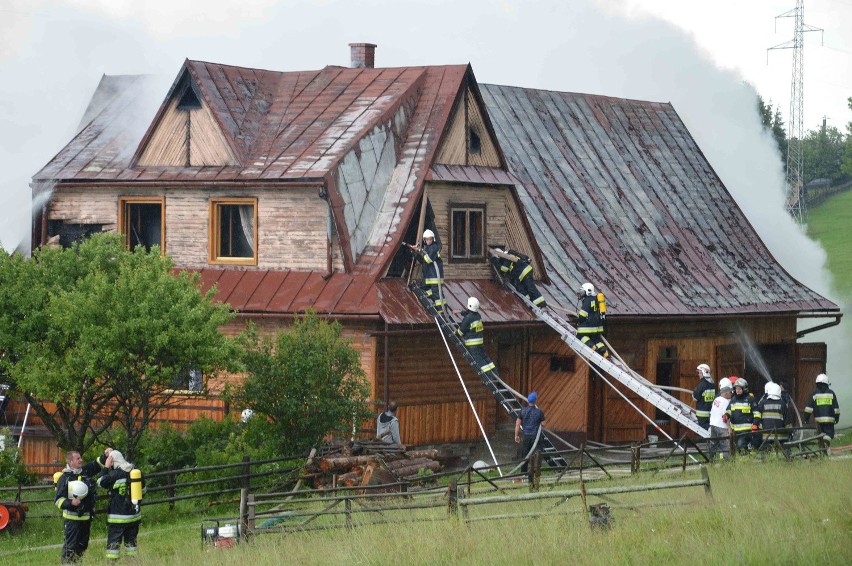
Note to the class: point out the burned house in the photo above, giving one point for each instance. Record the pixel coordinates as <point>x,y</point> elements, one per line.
<point>296,190</point>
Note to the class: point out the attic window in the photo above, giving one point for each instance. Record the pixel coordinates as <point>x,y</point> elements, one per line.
<point>189,100</point>
<point>233,231</point>
<point>474,142</point>
<point>467,228</point>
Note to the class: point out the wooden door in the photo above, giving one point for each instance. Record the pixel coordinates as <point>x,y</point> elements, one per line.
<point>810,362</point>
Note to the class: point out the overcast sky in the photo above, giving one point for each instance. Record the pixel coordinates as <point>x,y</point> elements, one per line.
<point>706,57</point>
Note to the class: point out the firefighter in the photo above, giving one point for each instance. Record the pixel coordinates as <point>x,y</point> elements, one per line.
<point>822,404</point>
<point>589,322</point>
<point>470,330</point>
<point>742,412</point>
<point>75,495</point>
<point>429,257</point>
<point>704,394</point>
<point>773,415</point>
<point>720,430</point>
<point>520,273</point>
<point>123,515</point>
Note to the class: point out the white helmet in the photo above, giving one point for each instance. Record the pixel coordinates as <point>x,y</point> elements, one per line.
<point>588,289</point>
<point>473,304</point>
<point>766,387</point>
<point>246,415</point>
<point>822,378</point>
<point>703,370</point>
<point>773,390</point>
<point>428,234</point>
<point>78,489</point>
<point>725,385</point>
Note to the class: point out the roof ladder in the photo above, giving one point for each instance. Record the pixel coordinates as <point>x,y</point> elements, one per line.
<point>491,378</point>
<point>672,406</point>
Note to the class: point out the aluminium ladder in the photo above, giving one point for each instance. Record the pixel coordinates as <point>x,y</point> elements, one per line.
<point>490,378</point>
<point>673,407</point>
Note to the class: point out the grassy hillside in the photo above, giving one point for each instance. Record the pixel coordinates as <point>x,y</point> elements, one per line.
<point>831,224</point>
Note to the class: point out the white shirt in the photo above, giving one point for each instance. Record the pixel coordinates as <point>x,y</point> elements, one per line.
<point>720,405</point>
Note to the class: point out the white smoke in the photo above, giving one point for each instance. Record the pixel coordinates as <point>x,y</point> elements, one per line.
<point>52,55</point>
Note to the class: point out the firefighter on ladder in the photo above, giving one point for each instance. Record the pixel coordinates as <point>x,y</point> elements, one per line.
<point>470,330</point>
<point>591,318</point>
<point>429,257</point>
<point>517,266</point>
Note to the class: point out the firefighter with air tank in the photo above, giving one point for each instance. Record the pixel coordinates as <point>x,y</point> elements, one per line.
<point>742,412</point>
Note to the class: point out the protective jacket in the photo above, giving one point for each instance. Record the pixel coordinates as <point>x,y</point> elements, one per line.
<point>742,412</point>
<point>520,272</point>
<point>822,404</point>
<point>589,316</point>
<point>704,394</point>
<point>120,508</point>
<point>429,256</point>
<point>471,331</point>
<point>86,508</point>
<point>773,413</point>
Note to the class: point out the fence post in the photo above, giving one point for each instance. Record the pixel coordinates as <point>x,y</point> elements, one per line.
<point>685,452</point>
<point>453,499</point>
<point>347,505</point>
<point>244,492</point>
<point>536,470</point>
<point>708,491</point>
<point>251,512</point>
<point>634,458</point>
<point>170,478</point>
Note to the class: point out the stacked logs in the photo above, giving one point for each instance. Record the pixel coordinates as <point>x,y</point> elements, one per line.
<point>372,468</point>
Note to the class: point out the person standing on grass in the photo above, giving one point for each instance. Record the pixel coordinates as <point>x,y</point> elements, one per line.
<point>530,421</point>
<point>123,516</point>
<point>720,430</point>
<point>75,496</point>
<point>822,404</point>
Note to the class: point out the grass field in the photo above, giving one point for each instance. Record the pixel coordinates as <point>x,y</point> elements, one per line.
<point>770,512</point>
<point>831,224</point>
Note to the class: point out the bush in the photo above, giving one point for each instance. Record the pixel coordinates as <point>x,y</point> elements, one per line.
<point>12,470</point>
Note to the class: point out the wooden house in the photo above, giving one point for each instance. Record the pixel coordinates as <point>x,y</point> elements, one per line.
<point>296,190</point>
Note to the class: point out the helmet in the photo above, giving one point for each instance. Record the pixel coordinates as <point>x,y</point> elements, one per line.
<point>588,289</point>
<point>822,378</point>
<point>78,489</point>
<point>740,382</point>
<point>246,415</point>
<point>725,385</point>
<point>428,234</point>
<point>473,304</point>
<point>703,370</point>
<point>773,390</point>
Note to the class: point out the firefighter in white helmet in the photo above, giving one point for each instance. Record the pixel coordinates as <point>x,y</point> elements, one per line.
<point>704,394</point>
<point>75,496</point>
<point>773,415</point>
<point>429,257</point>
<point>518,267</point>
<point>822,404</point>
<point>719,429</point>
<point>471,331</point>
<point>590,324</point>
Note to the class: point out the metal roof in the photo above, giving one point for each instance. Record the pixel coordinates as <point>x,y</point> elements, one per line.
<point>618,193</point>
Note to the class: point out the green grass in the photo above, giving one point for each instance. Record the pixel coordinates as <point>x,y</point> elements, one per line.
<point>831,224</point>
<point>770,512</point>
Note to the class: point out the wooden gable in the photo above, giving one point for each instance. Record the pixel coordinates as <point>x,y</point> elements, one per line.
<point>185,133</point>
<point>469,139</point>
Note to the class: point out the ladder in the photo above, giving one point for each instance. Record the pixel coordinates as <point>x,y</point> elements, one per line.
<point>673,407</point>
<point>491,379</point>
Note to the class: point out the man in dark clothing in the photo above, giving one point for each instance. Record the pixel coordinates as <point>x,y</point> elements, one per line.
<point>589,322</point>
<point>429,257</point>
<point>75,495</point>
<point>530,421</point>
<point>773,415</point>
<point>822,404</point>
<point>387,426</point>
<point>704,394</point>
<point>470,329</point>
<point>123,515</point>
<point>519,269</point>
<point>742,412</point>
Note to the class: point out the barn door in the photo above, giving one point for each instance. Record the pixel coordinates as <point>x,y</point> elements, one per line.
<point>810,362</point>
<point>729,361</point>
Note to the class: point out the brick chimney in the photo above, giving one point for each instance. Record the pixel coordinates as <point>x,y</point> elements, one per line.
<point>363,55</point>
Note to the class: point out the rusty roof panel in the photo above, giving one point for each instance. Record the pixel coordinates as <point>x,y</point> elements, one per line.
<point>265,291</point>
<point>288,291</point>
<point>618,193</point>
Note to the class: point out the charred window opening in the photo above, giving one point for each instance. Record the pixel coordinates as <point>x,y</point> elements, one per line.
<point>233,231</point>
<point>563,364</point>
<point>67,234</point>
<point>190,379</point>
<point>474,142</point>
<point>402,260</point>
<point>467,229</point>
<point>141,223</point>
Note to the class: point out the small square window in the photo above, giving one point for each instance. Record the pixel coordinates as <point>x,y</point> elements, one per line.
<point>141,222</point>
<point>563,364</point>
<point>233,231</point>
<point>467,227</point>
<point>189,380</point>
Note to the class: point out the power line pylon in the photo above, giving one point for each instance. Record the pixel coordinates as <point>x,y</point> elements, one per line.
<point>796,205</point>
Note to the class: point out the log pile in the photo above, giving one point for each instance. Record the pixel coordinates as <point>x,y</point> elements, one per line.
<point>371,467</point>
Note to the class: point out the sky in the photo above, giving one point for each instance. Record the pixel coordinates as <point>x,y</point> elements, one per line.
<point>707,57</point>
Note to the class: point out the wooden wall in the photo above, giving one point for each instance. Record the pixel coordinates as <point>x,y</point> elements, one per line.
<point>467,118</point>
<point>292,223</point>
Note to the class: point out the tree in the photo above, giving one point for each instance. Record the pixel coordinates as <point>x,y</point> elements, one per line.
<point>847,151</point>
<point>822,153</point>
<point>307,382</point>
<point>110,332</point>
<point>773,123</point>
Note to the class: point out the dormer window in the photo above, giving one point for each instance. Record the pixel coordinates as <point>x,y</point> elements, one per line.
<point>467,230</point>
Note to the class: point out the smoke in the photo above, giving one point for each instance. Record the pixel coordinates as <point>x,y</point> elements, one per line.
<point>52,55</point>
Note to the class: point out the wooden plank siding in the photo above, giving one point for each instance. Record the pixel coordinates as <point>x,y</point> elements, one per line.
<point>292,222</point>
<point>562,394</point>
<point>455,148</point>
